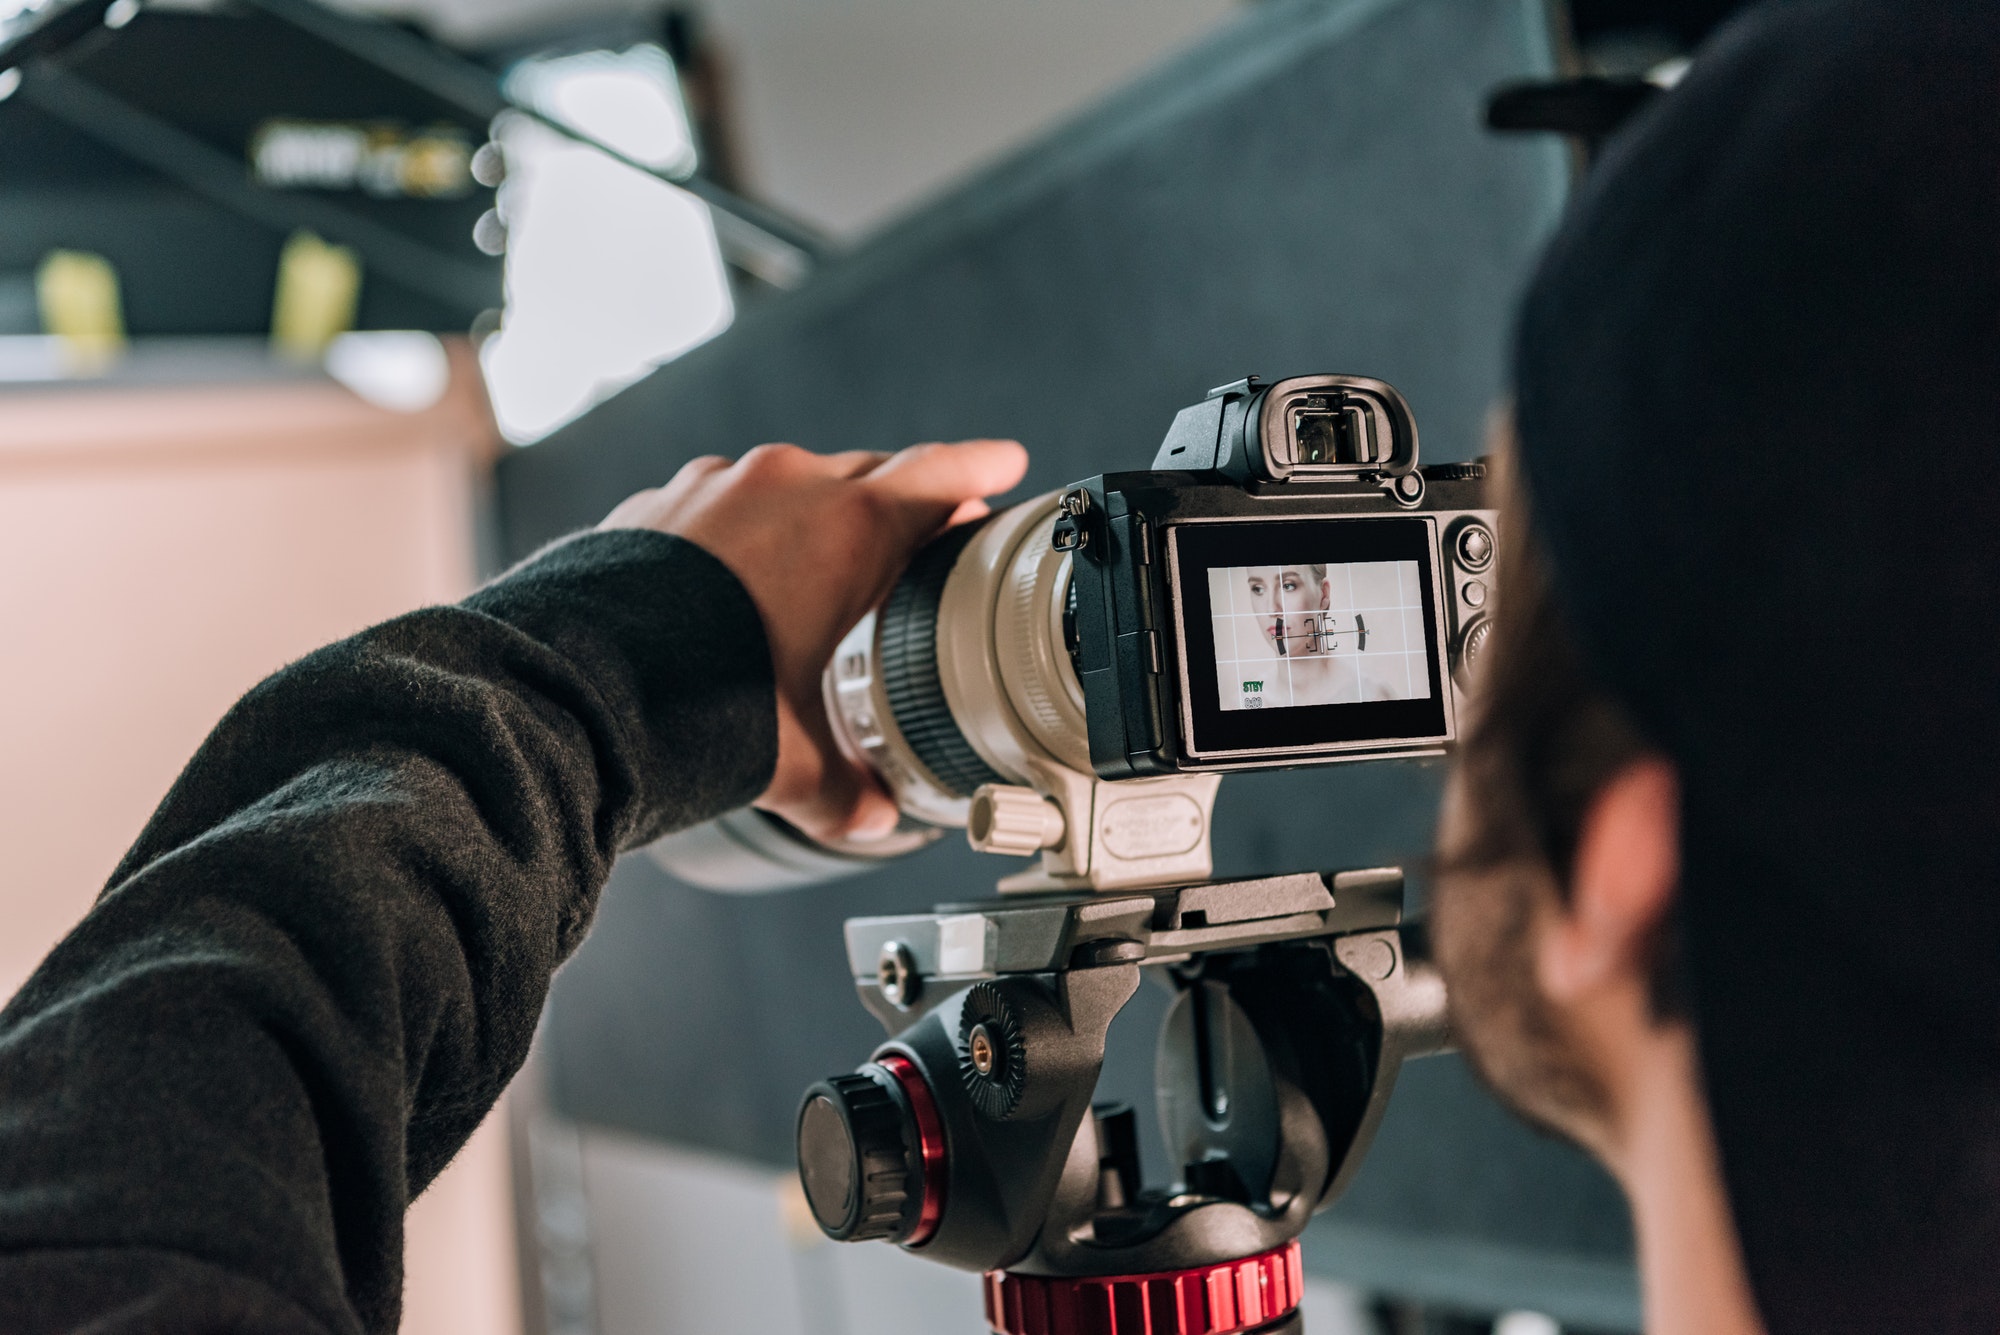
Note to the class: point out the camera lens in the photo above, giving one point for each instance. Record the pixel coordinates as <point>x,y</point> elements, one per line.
<point>967,674</point>
<point>964,677</point>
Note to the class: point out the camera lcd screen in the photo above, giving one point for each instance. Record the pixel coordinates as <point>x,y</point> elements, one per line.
<point>1318,633</point>
<point>1301,635</point>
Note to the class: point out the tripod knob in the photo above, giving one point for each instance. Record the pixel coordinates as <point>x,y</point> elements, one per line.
<point>1013,821</point>
<point>1226,1298</point>
<point>871,1154</point>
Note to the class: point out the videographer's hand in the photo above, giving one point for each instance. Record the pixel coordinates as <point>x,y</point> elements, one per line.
<point>818,540</point>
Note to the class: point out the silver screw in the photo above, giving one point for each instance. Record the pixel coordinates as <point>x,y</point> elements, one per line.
<point>896,971</point>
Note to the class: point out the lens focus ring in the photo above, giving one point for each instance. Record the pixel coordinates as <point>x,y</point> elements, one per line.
<point>907,653</point>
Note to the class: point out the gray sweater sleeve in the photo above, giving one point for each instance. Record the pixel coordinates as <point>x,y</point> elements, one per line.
<point>324,958</point>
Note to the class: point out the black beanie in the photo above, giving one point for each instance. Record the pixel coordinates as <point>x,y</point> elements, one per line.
<point>1758,401</point>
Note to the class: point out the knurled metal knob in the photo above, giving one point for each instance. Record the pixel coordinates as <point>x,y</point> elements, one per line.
<point>1223,1299</point>
<point>854,1158</point>
<point>992,1051</point>
<point>1016,822</point>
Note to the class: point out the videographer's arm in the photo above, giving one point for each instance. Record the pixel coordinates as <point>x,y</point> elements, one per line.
<point>323,960</point>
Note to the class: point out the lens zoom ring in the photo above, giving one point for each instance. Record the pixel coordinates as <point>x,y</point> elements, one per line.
<point>908,660</point>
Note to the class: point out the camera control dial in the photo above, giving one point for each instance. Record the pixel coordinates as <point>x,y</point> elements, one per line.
<point>1471,650</point>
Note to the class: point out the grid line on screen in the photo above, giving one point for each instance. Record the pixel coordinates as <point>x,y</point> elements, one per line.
<point>1366,643</point>
<point>1403,595</point>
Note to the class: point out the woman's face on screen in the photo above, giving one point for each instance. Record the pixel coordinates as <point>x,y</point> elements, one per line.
<point>1288,601</point>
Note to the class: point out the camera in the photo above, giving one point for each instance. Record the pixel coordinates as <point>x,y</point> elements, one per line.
<point>1285,586</point>
<point>1073,676</point>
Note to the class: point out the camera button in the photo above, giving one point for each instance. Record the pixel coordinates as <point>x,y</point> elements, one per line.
<point>1475,546</point>
<point>1153,664</point>
<point>1474,593</point>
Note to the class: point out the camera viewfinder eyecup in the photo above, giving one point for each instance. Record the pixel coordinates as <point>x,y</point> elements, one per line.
<point>1324,428</point>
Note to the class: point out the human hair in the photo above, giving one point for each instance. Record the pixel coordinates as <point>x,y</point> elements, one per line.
<point>1545,737</point>
<point>1318,569</point>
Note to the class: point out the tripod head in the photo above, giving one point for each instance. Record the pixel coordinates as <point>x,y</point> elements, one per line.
<point>971,1136</point>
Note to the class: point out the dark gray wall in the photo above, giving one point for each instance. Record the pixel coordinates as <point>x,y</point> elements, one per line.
<point>1310,191</point>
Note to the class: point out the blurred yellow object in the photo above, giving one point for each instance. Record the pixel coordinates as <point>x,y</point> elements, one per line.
<point>435,166</point>
<point>78,294</point>
<point>318,288</point>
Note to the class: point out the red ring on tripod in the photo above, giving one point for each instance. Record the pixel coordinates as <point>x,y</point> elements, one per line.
<point>1225,1299</point>
<point>930,1142</point>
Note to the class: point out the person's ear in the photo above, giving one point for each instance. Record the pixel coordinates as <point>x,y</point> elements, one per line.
<point>1622,885</point>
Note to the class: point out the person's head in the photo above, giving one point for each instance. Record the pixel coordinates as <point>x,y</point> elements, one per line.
<point>1730,806</point>
<point>1550,766</point>
<point>1288,600</point>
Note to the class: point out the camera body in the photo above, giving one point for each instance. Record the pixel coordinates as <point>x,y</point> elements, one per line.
<point>1286,588</point>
